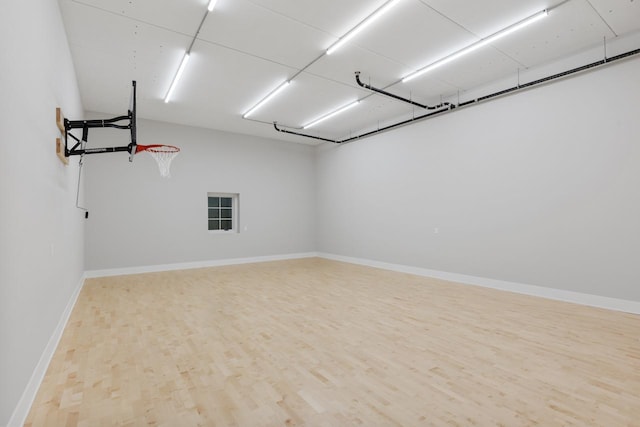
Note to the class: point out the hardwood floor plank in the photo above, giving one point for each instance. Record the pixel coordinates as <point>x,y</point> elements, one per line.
<point>322,343</point>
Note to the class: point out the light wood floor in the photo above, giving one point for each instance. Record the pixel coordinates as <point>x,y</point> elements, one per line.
<point>320,343</point>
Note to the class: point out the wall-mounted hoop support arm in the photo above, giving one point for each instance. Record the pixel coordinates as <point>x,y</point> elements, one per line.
<point>125,122</point>
<point>77,149</point>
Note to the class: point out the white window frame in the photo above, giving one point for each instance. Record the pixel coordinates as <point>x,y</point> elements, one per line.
<point>235,227</point>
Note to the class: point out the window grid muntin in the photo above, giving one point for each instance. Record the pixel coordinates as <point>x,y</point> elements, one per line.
<point>222,212</point>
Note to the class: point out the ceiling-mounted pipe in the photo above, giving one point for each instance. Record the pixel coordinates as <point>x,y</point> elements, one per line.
<point>275,125</point>
<point>409,101</point>
<point>366,134</point>
<point>553,77</point>
<point>452,107</point>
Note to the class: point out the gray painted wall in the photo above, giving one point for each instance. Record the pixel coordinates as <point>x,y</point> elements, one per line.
<point>539,188</point>
<point>41,231</point>
<point>138,218</point>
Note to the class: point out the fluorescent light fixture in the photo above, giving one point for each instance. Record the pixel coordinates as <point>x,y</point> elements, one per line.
<point>328,116</point>
<point>266,99</point>
<point>183,64</point>
<point>362,25</point>
<point>212,4</point>
<point>480,43</point>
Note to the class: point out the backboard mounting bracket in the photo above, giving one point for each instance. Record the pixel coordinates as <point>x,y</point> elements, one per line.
<point>59,146</point>
<point>124,122</point>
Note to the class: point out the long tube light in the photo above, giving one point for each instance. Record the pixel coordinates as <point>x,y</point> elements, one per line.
<point>362,25</point>
<point>480,43</point>
<point>174,83</point>
<point>185,59</point>
<point>328,116</point>
<point>266,99</point>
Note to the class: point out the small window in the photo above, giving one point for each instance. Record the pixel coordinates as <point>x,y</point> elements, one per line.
<point>222,212</point>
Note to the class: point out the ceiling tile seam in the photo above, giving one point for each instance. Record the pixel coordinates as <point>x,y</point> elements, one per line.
<point>133,19</point>
<point>531,18</point>
<point>305,70</point>
<point>355,86</point>
<point>324,53</point>
<point>320,30</point>
<point>472,33</point>
<point>324,32</point>
<point>297,21</point>
<point>549,9</point>
<point>462,27</point>
<point>507,92</point>
<point>187,54</point>
<point>518,64</point>
<point>295,74</point>
<point>362,25</point>
<point>601,17</point>
<point>517,76</point>
<point>245,53</point>
<point>195,37</point>
<point>400,80</point>
<point>358,100</point>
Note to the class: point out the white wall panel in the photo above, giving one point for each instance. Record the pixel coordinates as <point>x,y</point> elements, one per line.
<point>138,218</point>
<point>538,188</point>
<point>41,231</point>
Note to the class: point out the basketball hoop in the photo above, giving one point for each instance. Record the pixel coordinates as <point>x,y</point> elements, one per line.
<point>163,155</point>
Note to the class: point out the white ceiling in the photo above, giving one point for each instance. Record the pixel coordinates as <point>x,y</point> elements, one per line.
<point>246,48</point>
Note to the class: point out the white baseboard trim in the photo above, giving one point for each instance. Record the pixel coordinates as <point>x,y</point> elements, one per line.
<point>21,411</point>
<point>626,306</point>
<point>196,264</point>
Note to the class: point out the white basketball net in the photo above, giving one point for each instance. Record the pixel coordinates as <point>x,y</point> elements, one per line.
<point>163,156</point>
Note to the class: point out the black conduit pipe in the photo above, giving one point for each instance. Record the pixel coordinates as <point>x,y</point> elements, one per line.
<point>553,77</point>
<point>473,101</point>
<point>389,94</point>
<point>275,125</point>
